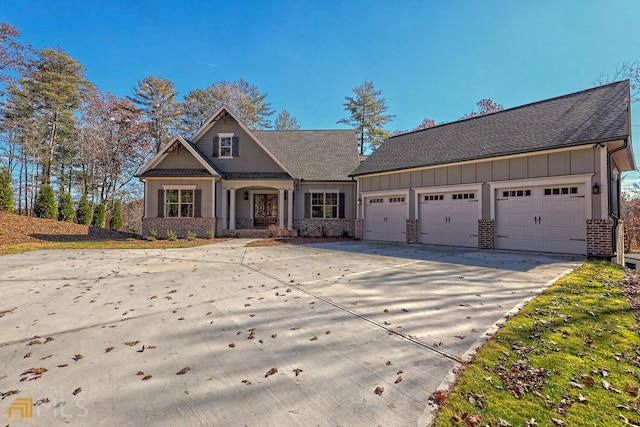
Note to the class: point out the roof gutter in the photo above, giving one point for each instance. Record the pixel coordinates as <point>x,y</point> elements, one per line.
<point>613,215</point>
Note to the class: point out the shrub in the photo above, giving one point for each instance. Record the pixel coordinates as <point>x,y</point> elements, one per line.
<point>211,233</point>
<point>46,206</point>
<point>65,207</point>
<point>171,235</point>
<point>6,192</point>
<point>153,235</point>
<point>85,213</point>
<point>99,216</point>
<point>116,216</point>
<point>191,235</point>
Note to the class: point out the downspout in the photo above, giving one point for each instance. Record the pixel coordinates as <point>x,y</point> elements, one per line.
<point>613,215</point>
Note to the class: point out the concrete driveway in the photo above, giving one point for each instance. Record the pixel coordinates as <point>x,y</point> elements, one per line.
<point>193,337</point>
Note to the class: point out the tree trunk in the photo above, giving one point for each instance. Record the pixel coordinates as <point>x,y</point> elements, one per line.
<point>52,145</point>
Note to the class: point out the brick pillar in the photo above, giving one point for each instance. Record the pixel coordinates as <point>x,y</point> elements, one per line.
<point>485,233</point>
<point>599,237</point>
<point>412,231</point>
<point>359,228</point>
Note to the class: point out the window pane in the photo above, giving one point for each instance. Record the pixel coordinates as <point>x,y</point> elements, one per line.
<point>317,212</point>
<point>171,196</point>
<point>186,210</point>
<point>331,212</point>
<point>331,199</point>
<point>187,196</point>
<point>225,142</point>
<point>317,198</point>
<point>172,210</point>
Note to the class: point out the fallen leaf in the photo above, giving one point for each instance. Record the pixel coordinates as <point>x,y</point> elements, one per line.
<point>631,389</point>
<point>298,371</point>
<point>34,342</point>
<point>140,373</point>
<point>247,382</point>
<point>400,372</point>
<point>438,344</point>
<point>141,350</point>
<point>388,363</point>
<point>399,379</point>
<point>77,391</point>
<point>78,357</point>
<point>558,422</point>
<point>405,310</point>
<point>63,366</point>
<point>27,355</point>
<point>151,347</point>
<point>8,393</point>
<point>465,305</point>
<point>46,357</point>
<point>503,423</point>
<point>439,397</point>
<point>232,345</point>
<point>385,310</point>
<point>35,371</point>
<point>271,371</point>
<point>379,391</point>
<point>328,332</point>
<point>41,401</point>
<point>132,343</point>
<point>49,339</point>
<point>460,336</point>
<point>108,349</point>
<point>183,370</point>
<point>274,335</point>
<point>147,377</point>
<point>314,338</point>
<point>576,385</point>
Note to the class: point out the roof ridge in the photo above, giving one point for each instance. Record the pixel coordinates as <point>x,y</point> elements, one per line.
<point>542,101</point>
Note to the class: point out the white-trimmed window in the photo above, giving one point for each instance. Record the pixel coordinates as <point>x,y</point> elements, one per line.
<point>433,197</point>
<point>324,205</point>
<point>525,192</point>
<point>225,145</point>
<point>179,202</point>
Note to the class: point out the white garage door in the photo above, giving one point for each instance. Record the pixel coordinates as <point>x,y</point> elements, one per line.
<point>385,218</point>
<point>546,219</point>
<point>449,219</point>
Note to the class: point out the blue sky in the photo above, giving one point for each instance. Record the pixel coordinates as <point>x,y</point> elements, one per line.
<point>431,59</point>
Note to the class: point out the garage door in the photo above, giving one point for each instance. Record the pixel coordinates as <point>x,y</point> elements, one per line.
<point>546,219</point>
<point>449,219</point>
<point>385,219</point>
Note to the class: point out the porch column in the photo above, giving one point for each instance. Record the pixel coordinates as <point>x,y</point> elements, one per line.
<point>224,208</point>
<point>232,209</point>
<point>290,210</point>
<point>281,208</point>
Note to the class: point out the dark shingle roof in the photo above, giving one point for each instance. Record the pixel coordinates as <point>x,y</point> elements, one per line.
<point>597,114</point>
<point>175,172</point>
<point>314,155</point>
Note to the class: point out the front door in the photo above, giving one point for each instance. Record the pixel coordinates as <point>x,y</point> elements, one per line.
<point>265,210</point>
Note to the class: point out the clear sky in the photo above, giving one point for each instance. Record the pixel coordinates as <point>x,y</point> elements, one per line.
<point>432,59</point>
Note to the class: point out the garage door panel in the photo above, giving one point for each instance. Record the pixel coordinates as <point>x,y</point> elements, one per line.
<point>385,220</point>
<point>449,221</point>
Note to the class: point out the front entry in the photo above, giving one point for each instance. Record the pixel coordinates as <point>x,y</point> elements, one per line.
<point>265,210</point>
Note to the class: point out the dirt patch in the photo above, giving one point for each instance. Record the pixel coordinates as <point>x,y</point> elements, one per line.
<point>23,229</point>
<point>631,287</point>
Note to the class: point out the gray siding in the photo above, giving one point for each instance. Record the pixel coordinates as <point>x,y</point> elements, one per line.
<point>348,188</point>
<point>180,160</point>
<point>251,157</point>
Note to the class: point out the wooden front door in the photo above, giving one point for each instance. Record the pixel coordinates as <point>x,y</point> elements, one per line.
<point>265,210</point>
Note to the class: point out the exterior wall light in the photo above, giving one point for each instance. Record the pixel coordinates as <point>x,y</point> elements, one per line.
<point>595,189</point>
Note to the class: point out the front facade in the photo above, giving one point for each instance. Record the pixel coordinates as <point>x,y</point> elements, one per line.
<point>231,181</point>
<point>543,177</point>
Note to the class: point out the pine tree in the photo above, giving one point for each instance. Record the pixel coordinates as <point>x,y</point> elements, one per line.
<point>85,213</point>
<point>65,207</point>
<point>285,121</point>
<point>99,216</point>
<point>367,115</point>
<point>116,216</point>
<point>46,206</point>
<point>6,192</point>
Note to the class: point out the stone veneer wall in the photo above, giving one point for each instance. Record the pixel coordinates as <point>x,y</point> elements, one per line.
<point>599,238</point>
<point>181,226</point>
<point>359,229</point>
<point>332,227</point>
<point>412,231</point>
<point>485,233</point>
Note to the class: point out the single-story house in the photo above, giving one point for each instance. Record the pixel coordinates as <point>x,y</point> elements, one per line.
<point>540,177</point>
<point>237,182</point>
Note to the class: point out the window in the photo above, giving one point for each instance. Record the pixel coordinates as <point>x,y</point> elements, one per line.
<point>560,191</point>
<point>324,205</point>
<point>464,196</point>
<point>516,193</point>
<point>396,199</point>
<point>225,146</point>
<point>432,197</point>
<point>178,203</point>
<point>377,200</point>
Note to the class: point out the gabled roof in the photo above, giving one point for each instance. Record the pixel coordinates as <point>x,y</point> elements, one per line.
<point>208,168</point>
<point>224,112</point>
<point>314,155</point>
<point>599,114</point>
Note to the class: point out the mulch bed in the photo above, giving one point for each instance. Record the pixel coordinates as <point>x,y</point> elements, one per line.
<point>631,288</point>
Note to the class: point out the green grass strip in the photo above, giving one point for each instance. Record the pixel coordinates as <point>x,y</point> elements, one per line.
<point>571,357</point>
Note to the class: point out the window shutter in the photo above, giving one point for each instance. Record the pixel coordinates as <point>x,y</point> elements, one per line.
<point>160,204</point>
<point>235,144</point>
<point>307,205</point>
<point>340,205</point>
<point>216,146</point>
<point>197,204</point>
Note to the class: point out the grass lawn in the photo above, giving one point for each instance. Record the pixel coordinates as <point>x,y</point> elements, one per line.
<point>571,357</point>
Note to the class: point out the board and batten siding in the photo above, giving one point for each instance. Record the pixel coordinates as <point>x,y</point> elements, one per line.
<point>153,185</point>
<point>250,156</point>
<point>561,163</point>
<point>179,160</point>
